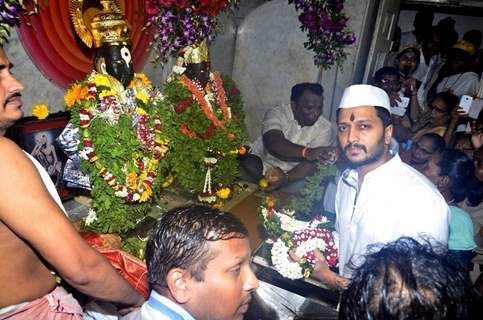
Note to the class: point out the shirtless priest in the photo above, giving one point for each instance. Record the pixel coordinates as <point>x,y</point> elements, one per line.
<point>36,237</point>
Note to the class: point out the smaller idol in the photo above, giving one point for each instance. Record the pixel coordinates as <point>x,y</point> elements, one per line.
<point>204,124</point>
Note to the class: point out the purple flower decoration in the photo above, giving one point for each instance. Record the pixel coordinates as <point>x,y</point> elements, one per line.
<point>326,27</point>
<point>178,26</point>
<point>9,15</point>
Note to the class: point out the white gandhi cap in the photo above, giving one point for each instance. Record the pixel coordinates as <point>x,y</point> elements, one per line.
<point>364,95</point>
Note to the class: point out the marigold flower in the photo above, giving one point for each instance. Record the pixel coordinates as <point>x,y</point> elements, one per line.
<point>144,80</point>
<point>141,96</point>
<point>40,111</point>
<point>223,193</point>
<point>75,94</point>
<point>101,80</point>
<point>132,180</point>
<point>146,194</point>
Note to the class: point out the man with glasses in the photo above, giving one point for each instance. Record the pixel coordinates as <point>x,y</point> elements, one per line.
<point>389,80</point>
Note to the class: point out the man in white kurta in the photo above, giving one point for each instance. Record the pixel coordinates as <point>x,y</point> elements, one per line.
<point>379,198</point>
<point>380,201</point>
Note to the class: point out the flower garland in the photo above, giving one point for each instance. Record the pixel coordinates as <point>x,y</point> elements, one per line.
<point>304,237</point>
<point>326,27</point>
<point>121,145</point>
<point>203,123</point>
<point>180,23</point>
<point>10,11</point>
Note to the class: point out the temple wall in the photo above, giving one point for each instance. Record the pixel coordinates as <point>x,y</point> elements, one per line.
<point>260,46</point>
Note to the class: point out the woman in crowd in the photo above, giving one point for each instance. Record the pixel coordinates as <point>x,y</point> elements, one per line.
<point>441,118</point>
<point>453,173</point>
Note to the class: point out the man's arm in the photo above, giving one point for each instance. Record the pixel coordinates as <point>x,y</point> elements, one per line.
<point>29,211</point>
<point>281,148</point>
<point>277,178</point>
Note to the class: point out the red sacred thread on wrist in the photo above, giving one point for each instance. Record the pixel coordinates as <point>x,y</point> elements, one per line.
<point>304,152</point>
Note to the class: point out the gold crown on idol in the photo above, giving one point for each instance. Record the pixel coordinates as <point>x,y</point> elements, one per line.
<point>196,53</point>
<point>108,26</point>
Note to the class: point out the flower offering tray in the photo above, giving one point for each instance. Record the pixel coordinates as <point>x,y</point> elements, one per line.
<point>306,287</point>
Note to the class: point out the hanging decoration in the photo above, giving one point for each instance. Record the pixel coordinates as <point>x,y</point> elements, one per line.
<point>10,11</point>
<point>326,28</point>
<point>180,23</point>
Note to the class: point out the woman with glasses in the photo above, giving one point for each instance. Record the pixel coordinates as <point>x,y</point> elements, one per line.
<point>422,150</point>
<point>441,118</point>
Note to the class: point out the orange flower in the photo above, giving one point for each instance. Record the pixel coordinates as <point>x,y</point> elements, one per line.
<point>242,151</point>
<point>75,94</point>
<point>132,180</point>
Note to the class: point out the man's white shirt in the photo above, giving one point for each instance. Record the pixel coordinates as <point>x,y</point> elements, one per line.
<point>320,134</point>
<point>394,200</point>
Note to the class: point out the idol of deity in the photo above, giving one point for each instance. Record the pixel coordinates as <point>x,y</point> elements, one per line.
<point>204,123</point>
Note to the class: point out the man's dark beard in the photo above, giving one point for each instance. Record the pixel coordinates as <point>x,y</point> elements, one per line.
<point>375,156</point>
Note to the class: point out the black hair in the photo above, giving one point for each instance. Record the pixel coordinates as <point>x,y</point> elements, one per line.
<point>449,99</point>
<point>300,88</point>
<point>385,71</point>
<point>437,141</point>
<point>381,112</point>
<point>473,36</point>
<point>460,170</point>
<point>181,238</point>
<point>407,280</point>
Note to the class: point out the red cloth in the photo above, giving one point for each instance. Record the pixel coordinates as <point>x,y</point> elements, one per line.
<point>130,267</point>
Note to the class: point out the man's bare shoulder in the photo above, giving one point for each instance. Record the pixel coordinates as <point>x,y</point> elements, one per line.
<point>7,145</point>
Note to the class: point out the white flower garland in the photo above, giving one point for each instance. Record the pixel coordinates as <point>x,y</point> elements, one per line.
<point>282,263</point>
<point>306,237</point>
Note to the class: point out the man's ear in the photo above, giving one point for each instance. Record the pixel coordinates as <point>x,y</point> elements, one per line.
<point>178,281</point>
<point>388,134</point>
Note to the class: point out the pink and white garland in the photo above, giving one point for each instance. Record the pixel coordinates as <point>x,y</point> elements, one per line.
<point>303,237</point>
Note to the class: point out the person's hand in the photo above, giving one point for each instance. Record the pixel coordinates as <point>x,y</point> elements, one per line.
<point>409,85</point>
<point>394,98</point>
<point>323,273</point>
<point>422,121</point>
<point>457,114</point>
<point>325,154</point>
